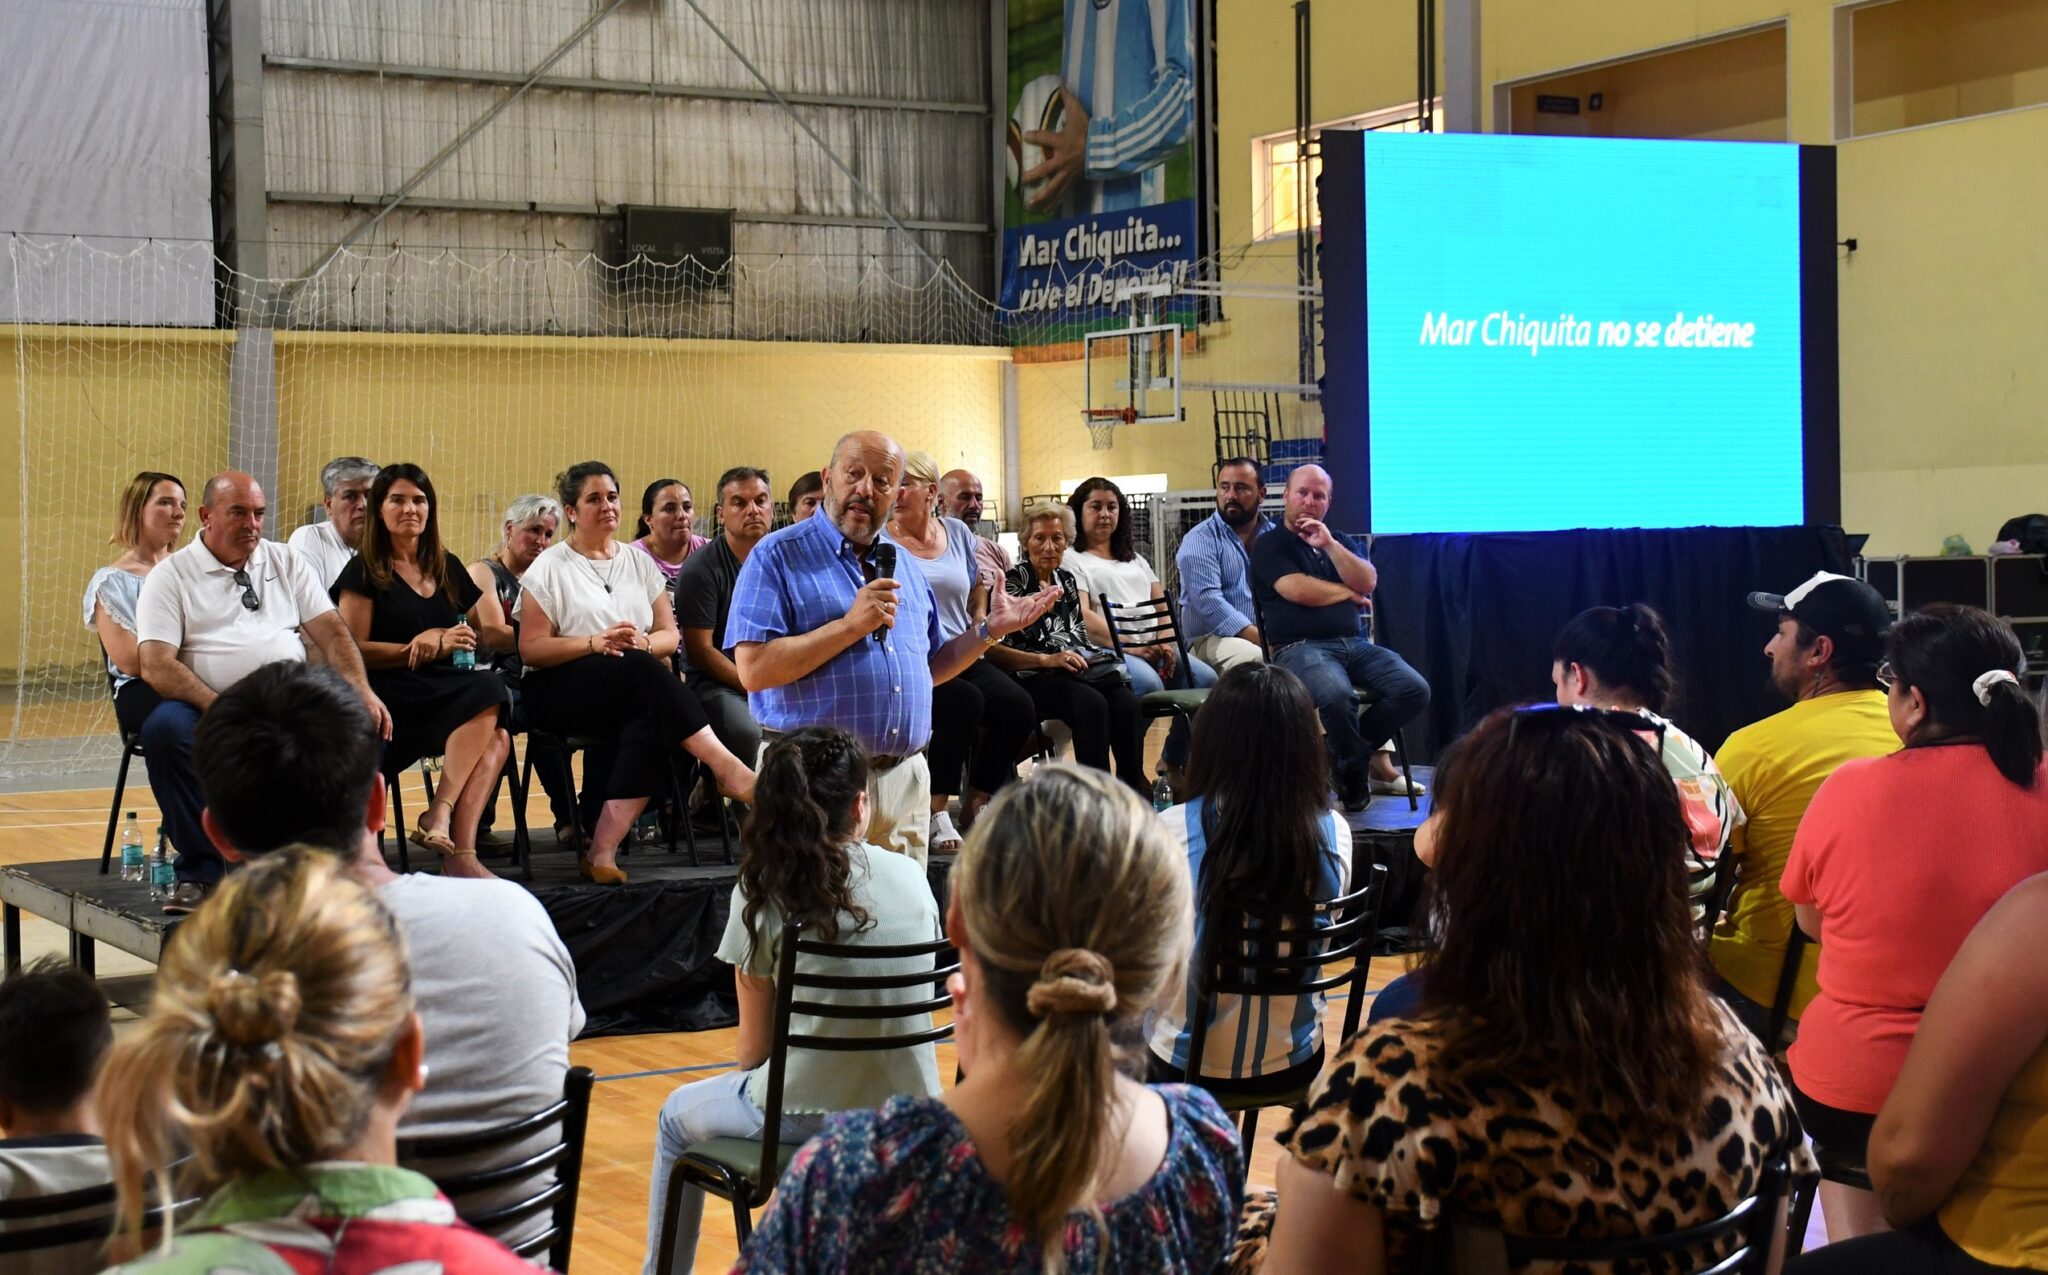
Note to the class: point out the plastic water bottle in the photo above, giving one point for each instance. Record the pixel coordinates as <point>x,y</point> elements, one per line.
<point>465,658</point>
<point>163,878</point>
<point>1162,793</point>
<point>132,864</point>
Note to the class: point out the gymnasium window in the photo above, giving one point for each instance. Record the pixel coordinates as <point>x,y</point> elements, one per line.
<point>1276,165</point>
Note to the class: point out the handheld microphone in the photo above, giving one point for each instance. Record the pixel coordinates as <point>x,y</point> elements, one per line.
<point>885,569</point>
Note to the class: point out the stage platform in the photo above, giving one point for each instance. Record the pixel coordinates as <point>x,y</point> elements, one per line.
<point>644,951</point>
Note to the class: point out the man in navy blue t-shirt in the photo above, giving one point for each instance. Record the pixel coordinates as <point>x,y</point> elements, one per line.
<point>1311,584</point>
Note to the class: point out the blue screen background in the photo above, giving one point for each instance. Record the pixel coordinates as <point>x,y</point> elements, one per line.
<point>1479,438</point>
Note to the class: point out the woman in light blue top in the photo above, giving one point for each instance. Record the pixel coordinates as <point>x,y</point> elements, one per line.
<point>1261,839</point>
<point>151,516</point>
<point>805,862</point>
<point>981,717</point>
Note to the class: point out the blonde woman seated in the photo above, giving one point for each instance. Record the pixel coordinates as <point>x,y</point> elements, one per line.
<point>596,630</point>
<point>279,1052</point>
<point>147,526</point>
<point>1071,912</point>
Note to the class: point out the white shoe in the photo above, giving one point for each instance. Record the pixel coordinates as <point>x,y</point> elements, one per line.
<point>945,838</point>
<point>1398,787</point>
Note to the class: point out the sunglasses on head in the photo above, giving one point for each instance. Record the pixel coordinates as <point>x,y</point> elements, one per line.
<point>1640,724</point>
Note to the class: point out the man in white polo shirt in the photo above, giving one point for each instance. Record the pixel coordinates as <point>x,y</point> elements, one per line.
<point>210,614</point>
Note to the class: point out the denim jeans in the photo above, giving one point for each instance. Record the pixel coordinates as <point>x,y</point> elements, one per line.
<point>1331,668</point>
<point>694,1113</point>
<point>1145,679</point>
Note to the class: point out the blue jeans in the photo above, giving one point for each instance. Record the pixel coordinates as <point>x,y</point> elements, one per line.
<point>694,1113</point>
<point>1331,668</point>
<point>1145,679</point>
<point>1398,999</point>
<point>167,750</point>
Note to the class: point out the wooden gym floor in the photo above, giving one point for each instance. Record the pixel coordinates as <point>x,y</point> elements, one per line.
<point>635,1073</point>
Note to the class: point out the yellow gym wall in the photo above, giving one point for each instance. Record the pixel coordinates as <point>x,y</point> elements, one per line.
<point>487,417</point>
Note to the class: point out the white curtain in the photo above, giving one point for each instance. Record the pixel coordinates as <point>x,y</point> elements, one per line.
<point>104,104</point>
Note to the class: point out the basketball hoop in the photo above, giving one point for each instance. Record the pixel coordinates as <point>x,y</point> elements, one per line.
<point>1103,423</point>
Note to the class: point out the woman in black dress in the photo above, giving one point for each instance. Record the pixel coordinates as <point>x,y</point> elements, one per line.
<point>410,605</point>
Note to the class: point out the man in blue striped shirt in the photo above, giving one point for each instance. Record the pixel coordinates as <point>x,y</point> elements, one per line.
<point>1128,91</point>
<point>823,638</point>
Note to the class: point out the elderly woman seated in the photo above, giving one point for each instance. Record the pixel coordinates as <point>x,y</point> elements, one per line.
<point>1069,678</point>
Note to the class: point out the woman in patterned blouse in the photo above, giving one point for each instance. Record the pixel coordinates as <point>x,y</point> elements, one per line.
<point>1567,1073</point>
<point>1070,678</point>
<point>1071,911</point>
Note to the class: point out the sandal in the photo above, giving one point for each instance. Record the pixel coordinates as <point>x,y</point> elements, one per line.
<point>945,839</point>
<point>437,841</point>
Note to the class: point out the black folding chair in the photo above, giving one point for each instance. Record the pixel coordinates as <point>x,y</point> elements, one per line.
<point>1361,699</point>
<point>131,748</point>
<point>1788,987</point>
<point>557,1198</point>
<point>30,1228</point>
<point>1261,957</point>
<point>1149,623</point>
<point>744,1170</point>
<point>1752,1223</point>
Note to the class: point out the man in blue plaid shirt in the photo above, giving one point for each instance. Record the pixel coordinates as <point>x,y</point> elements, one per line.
<point>822,638</point>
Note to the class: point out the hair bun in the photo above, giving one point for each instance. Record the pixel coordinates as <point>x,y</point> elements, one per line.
<point>250,1011</point>
<point>1073,980</point>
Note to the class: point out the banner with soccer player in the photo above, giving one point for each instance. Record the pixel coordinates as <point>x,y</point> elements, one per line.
<point>1101,162</point>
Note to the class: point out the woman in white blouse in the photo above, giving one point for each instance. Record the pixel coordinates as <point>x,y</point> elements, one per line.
<point>151,516</point>
<point>596,630</point>
<point>1106,561</point>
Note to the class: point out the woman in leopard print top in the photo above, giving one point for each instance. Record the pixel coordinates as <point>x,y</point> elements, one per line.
<point>1567,1074</point>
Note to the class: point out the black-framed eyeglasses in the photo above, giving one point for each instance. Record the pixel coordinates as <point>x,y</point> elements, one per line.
<point>1887,676</point>
<point>250,602</point>
<point>1636,722</point>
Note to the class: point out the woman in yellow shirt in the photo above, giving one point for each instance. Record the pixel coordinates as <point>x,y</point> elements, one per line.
<point>1959,1155</point>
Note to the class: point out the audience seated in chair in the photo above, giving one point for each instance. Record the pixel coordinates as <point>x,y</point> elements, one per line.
<point>805,861</point>
<point>146,526</point>
<point>1568,1073</point>
<point>1312,585</point>
<point>531,522</point>
<point>1260,838</point>
<point>327,546</point>
<point>960,496</point>
<point>1959,1154</point>
<point>1215,565</point>
<point>745,512</point>
<point>805,495</point>
<point>209,614</point>
<point>1896,859</point>
<point>286,757</point>
<point>596,631</point>
<point>1105,560</point>
<point>980,712</point>
<point>1824,656</point>
<point>1620,657</point>
<point>54,1034</point>
<point>1069,676</point>
<point>280,1052</point>
<point>1070,910</point>
<point>665,531</point>
<point>411,607</point>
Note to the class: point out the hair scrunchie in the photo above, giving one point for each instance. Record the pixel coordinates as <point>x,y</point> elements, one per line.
<point>1073,980</point>
<point>1985,681</point>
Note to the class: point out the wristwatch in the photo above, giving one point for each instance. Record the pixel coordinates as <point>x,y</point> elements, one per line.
<point>987,638</point>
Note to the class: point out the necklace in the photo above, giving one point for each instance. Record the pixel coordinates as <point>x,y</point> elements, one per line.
<point>604,579</point>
